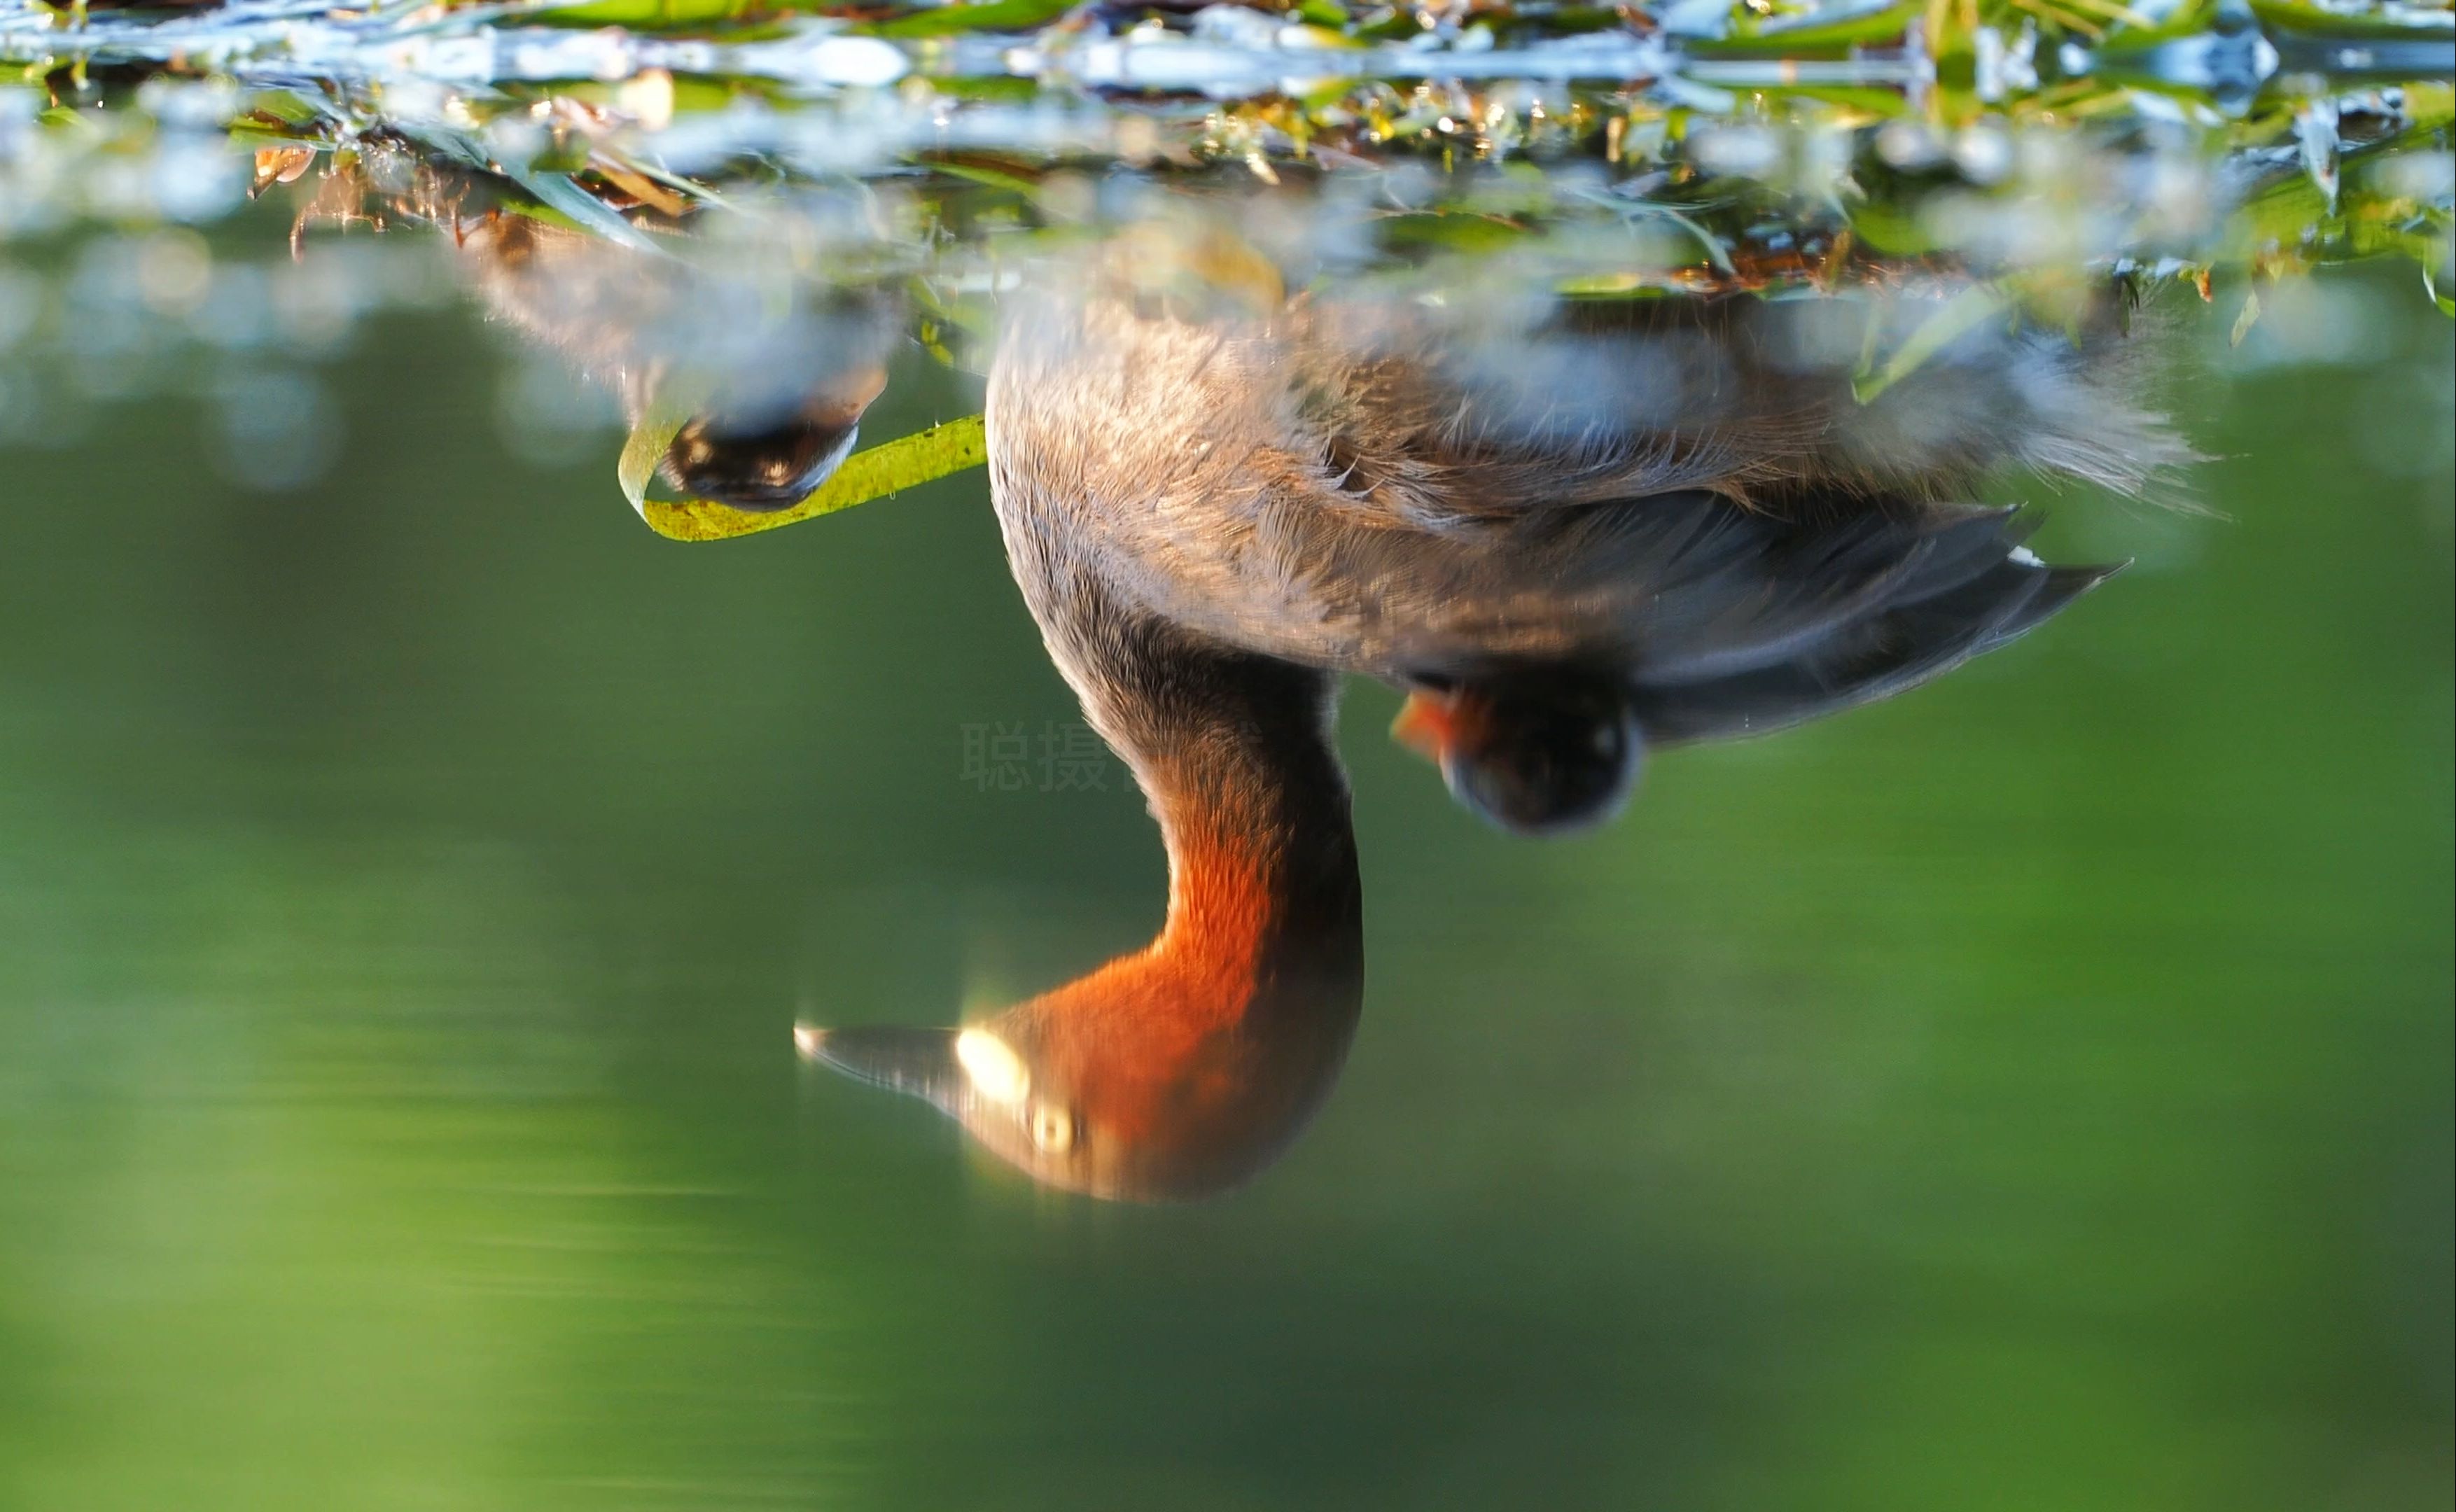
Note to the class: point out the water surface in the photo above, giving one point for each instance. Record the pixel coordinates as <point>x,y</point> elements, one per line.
<point>2031,1091</point>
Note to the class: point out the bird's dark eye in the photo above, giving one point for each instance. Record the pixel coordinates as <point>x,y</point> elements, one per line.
<point>1052,1129</point>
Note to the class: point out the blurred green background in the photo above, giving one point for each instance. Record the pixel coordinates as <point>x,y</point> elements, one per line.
<point>2031,1093</point>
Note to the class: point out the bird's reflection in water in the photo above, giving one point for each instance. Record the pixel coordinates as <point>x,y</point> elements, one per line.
<point>765,373</point>
<point>1573,535</point>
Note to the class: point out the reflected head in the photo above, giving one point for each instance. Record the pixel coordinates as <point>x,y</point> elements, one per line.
<point>760,467</point>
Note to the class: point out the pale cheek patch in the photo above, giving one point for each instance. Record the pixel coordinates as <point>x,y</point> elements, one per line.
<point>995,1071</point>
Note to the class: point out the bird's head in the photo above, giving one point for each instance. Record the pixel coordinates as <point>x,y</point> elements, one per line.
<point>1545,751</point>
<point>1136,1082</point>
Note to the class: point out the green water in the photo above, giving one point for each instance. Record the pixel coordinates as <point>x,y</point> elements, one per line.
<point>2031,1093</point>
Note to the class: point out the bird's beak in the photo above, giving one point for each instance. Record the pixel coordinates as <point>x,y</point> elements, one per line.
<point>919,1062</point>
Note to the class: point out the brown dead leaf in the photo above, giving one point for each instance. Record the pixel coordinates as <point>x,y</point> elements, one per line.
<point>280,165</point>
<point>638,186</point>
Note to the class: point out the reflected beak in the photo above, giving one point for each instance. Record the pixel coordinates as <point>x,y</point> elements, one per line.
<point>918,1062</point>
<point>854,392</point>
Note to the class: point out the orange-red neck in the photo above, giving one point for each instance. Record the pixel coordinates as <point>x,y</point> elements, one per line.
<point>1261,951</point>
<point>1233,749</point>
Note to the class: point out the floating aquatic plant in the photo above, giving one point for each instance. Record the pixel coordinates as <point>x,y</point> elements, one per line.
<point>1764,147</point>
